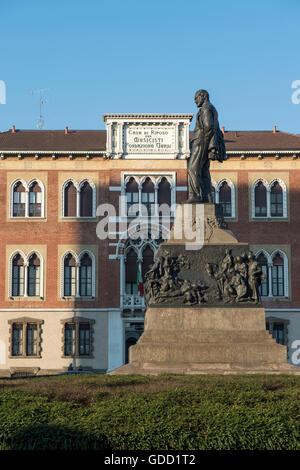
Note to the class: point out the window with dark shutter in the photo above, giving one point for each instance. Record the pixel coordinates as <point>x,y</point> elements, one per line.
<point>131,272</point>
<point>34,276</point>
<point>35,200</point>
<point>86,200</point>
<point>278,276</point>
<point>263,263</point>
<point>69,276</point>
<point>70,198</point>
<point>19,200</point>
<point>276,200</point>
<point>18,276</point>
<point>260,196</point>
<point>84,339</point>
<point>78,337</point>
<point>225,198</point>
<point>148,198</point>
<point>17,339</point>
<point>132,196</point>
<point>147,260</point>
<point>164,192</point>
<point>70,339</point>
<point>31,339</point>
<point>85,276</point>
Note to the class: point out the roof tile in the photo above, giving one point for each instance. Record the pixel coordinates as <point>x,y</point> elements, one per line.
<point>95,140</point>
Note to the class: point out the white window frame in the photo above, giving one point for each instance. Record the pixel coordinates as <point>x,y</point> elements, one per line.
<point>26,259</point>
<point>217,187</point>
<point>284,199</point>
<point>27,188</point>
<point>140,178</point>
<point>77,258</point>
<point>285,273</point>
<point>93,186</point>
<point>78,186</point>
<point>268,186</point>
<point>270,258</point>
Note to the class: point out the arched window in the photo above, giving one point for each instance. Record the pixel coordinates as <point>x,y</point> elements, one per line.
<point>85,276</point>
<point>147,260</point>
<point>35,200</point>
<point>148,198</point>
<point>225,198</point>
<point>276,200</point>
<point>260,200</point>
<point>19,200</point>
<point>69,276</point>
<point>131,286</point>
<point>18,276</point>
<point>164,192</point>
<point>263,263</point>
<point>86,200</point>
<point>132,196</point>
<point>70,200</point>
<point>278,276</point>
<point>34,276</point>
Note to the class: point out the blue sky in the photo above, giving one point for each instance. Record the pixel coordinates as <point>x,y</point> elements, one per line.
<point>134,56</point>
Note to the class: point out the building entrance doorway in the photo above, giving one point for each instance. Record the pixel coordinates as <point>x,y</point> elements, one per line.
<point>133,331</point>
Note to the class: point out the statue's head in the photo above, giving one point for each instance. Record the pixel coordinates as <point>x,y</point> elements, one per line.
<point>200,97</point>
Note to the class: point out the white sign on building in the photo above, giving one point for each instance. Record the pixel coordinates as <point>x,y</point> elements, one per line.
<point>147,135</point>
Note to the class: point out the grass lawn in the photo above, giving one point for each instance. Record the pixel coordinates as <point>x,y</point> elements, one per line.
<point>169,412</point>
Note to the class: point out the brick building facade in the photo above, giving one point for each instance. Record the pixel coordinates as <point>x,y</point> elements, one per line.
<point>68,296</point>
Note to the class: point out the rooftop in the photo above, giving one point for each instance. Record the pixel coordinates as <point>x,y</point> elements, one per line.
<point>95,140</point>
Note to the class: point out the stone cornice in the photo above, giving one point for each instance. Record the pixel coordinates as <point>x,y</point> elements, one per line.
<point>51,152</point>
<point>147,116</point>
<point>102,153</point>
<point>251,152</point>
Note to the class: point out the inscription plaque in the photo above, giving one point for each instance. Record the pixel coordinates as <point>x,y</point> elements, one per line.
<point>149,139</point>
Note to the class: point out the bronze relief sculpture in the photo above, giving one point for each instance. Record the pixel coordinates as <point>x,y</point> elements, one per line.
<point>230,279</point>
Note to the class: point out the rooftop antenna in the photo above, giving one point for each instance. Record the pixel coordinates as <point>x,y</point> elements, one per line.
<point>40,121</point>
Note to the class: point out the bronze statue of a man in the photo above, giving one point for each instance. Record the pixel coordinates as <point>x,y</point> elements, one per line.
<point>207,144</point>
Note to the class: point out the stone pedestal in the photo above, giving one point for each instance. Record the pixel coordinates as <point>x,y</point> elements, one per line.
<point>206,341</point>
<point>203,314</point>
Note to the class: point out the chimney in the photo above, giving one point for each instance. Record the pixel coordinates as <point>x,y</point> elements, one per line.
<point>13,129</point>
<point>223,130</point>
<point>274,130</point>
<point>66,130</point>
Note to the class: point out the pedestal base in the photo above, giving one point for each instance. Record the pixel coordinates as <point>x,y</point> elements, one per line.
<point>206,341</point>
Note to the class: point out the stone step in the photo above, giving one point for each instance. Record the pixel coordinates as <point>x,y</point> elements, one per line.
<point>205,368</point>
<point>209,336</point>
<point>242,353</point>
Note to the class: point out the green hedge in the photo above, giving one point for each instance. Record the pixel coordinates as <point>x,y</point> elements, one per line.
<point>221,415</point>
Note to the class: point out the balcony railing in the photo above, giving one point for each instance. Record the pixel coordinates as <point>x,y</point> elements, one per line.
<point>132,301</point>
